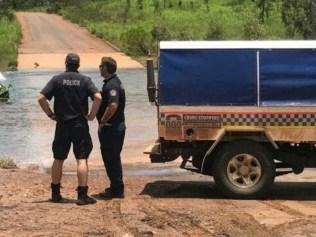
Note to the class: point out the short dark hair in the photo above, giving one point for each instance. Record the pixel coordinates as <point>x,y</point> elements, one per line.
<point>110,64</point>
<point>72,61</point>
<point>72,67</point>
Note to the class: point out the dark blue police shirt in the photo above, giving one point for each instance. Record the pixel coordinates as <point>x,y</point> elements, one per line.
<point>70,91</point>
<point>113,92</point>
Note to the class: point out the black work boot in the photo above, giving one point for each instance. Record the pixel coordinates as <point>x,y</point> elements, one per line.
<point>83,198</point>
<point>56,197</point>
<point>109,194</point>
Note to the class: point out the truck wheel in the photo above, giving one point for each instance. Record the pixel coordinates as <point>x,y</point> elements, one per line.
<point>244,169</point>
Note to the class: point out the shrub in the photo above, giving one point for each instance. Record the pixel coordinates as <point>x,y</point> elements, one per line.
<point>215,31</point>
<point>252,28</point>
<point>7,164</point>
<point>13,65</point>
<point>159,33</point>
<point>136,41</point>
<point>7,14</point>
<point>54,8</point>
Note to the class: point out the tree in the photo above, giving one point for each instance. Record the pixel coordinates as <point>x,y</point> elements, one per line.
<point>207,5</point>
<point>180,3</point>
<point>298,17</point>
<point>313,18</point>
<point>126,11</point>
<point>192,4</point>
<point>264,6</point>
<point>157,6</point>
<point>252,28</point>
<point>140,4</point>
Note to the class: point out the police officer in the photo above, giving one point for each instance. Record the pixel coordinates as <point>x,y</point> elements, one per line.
<point>112,127</point>
<point>71,91</point>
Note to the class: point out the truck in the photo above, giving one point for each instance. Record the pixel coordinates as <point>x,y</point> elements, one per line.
<point>243,112</point>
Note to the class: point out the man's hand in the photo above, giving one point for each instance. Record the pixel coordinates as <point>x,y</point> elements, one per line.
<point>95,107</point>
<point>101,125</point>
<point>90,117</point>
<point>52,116</point>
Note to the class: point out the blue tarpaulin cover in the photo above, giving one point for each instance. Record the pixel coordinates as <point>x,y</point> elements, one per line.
<point>208,77</point>
<point>288,77</point>
<point>222,77</point>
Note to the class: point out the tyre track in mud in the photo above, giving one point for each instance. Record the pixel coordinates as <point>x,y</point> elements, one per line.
<point>175,218</point>
<point>182,222</point>
<point>149,219</point>
<point>113,219</point>
<point>278,205</point>
<point>304,225</point>
<point>240,222</point>
<point>288,221</point>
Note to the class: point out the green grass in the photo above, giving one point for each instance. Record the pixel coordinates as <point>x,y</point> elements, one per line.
<point>10,36</point>
<point>138,31</point>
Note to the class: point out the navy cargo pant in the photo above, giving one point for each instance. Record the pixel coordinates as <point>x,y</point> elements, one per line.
<point>112,140</point>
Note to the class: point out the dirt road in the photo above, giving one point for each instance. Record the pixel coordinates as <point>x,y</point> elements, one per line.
<point>47,38</point>
<point>162,204</point>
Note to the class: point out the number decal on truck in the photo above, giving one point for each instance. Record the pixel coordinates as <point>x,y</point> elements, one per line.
<point>173,121</point>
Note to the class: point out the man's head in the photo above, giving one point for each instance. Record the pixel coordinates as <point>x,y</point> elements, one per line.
<point>107,67</point>
<point>72,62</point>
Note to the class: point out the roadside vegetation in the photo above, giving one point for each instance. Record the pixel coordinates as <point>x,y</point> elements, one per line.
<point>10,36</point>
<point>136,26</point>
<point>7,164</point>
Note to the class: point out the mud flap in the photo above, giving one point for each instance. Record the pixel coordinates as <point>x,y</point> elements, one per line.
<point>154,152</point>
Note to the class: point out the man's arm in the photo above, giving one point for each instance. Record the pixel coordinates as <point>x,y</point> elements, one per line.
<point>112,92</point>
<point>47,94</point>
<point>42,100</point>
<point>108,114</point>
<point>97,98</point>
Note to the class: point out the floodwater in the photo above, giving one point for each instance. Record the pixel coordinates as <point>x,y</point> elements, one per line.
<point>26,133</point>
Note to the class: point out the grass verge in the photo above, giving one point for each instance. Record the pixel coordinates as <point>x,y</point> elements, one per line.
<point>10,35</point>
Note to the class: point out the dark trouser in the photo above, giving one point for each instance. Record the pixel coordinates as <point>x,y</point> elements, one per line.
<point>112,140</point>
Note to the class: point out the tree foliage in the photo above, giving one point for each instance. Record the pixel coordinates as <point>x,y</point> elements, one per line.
<point>298,17</point>
<point>264,8</point>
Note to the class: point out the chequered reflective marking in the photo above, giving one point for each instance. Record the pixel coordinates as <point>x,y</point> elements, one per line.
<point>269,119</point>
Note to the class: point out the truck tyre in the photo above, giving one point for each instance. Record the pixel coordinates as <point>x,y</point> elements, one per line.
<point>244,169</point>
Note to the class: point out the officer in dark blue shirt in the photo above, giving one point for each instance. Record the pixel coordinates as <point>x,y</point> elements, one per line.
<point>71,91</point>
<point>112,127</point>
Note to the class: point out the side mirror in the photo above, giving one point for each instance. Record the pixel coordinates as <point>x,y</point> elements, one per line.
<point>151,85</point>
